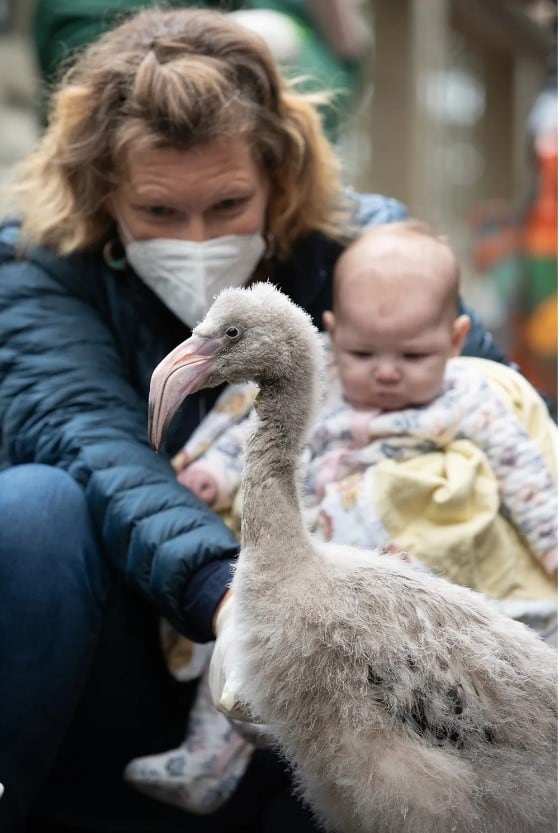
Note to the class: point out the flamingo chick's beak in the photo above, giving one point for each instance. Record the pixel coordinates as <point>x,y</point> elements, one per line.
<point>183,371</point>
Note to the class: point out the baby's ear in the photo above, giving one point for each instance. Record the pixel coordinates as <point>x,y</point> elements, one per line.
<point>329,322</point>
<point>461,329</point>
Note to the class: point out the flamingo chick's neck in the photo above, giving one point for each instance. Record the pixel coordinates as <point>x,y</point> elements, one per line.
<point>271,510</point>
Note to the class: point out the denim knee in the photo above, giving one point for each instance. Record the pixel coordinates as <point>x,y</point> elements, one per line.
<point>46,536</point>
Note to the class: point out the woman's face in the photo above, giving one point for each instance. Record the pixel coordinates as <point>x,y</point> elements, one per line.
<point>196,194</point>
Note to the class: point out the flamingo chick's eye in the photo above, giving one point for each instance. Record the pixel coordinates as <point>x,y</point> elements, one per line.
<point>233,332</point>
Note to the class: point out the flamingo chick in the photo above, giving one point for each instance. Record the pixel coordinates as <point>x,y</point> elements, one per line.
<point>404,703</point>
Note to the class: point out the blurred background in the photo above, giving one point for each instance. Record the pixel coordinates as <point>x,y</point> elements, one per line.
<point>448,105</point>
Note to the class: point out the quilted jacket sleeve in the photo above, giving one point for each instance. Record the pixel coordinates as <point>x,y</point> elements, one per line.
<point>66,400</point>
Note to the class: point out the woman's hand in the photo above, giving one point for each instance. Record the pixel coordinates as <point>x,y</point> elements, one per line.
<point>224,686</point>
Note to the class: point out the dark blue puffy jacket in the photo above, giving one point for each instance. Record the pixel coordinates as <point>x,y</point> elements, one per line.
<point>78,344</point>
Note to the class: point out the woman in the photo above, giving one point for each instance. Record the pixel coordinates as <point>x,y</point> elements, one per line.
<point>176,161</point>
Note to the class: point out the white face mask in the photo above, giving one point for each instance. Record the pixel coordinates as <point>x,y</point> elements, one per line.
<point>187,276</point>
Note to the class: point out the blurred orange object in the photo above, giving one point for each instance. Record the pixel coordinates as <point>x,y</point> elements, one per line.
<point>536,350</point>
<point>541,230</point>
<point>542,328</point>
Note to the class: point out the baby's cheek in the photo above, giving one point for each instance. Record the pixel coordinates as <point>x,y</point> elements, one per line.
<point>427,386</point>
<point>355,378</point>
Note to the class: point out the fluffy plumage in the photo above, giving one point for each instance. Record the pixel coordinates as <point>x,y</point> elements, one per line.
<point>404,703</point>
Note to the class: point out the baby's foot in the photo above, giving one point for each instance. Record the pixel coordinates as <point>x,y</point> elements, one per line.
<point>196,779</point>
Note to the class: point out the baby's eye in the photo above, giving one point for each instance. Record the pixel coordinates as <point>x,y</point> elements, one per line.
<point>412,357</point>
<point>360,354</point>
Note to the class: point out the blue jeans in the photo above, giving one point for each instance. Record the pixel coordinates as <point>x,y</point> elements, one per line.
<point>83,685</point>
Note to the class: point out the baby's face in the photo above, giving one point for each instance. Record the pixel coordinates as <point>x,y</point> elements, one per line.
<point>393,360</point>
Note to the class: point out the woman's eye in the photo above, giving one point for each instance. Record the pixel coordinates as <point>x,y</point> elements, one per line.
<point>158,211</point>
<point>230,204</point>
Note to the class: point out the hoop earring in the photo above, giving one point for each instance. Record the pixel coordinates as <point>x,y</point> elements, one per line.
<point>114,255</point>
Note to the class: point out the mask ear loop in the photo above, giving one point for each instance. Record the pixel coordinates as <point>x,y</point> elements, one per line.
<point>270,250</point>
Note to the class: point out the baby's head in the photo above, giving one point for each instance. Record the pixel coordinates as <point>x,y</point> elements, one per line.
<point>394,322</point>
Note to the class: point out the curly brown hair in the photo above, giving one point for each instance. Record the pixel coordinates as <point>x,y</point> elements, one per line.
<point>176,79</point>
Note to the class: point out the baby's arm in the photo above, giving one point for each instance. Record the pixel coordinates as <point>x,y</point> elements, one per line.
<point>527,486</point>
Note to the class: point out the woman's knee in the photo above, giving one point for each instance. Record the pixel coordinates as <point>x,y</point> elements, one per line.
<point>38,494</point>
<point>46,532</point>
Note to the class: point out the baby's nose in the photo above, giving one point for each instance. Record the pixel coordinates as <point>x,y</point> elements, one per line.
<point>387,371</point>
